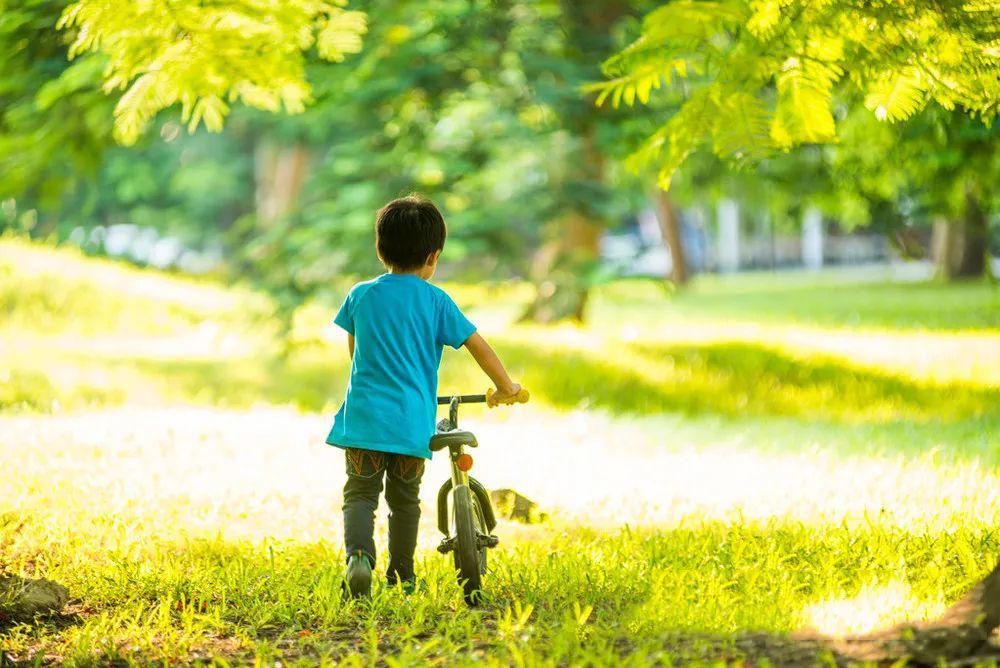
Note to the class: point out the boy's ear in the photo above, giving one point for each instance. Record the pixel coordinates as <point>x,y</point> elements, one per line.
<point>433,258</point>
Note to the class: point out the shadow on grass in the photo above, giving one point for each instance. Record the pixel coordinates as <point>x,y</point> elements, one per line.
<point>307,384</point>
<point>738,379</point>
<point>727,379</point>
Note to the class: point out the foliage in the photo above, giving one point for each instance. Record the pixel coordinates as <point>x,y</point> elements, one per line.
<point>405,117</point>
<point>190,189</point>
<point>468,104</point>
<point>761,75</point>
<point>54,121</point>
<point>474,105</point>
<point>928,166</point>
<point>204,58</point>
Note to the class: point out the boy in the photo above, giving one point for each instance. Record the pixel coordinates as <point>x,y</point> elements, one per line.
<point>397,325</point>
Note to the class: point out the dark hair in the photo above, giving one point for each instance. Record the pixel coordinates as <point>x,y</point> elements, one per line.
<point>407,230</point>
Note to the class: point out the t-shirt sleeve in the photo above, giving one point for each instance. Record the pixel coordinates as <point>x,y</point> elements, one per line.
<point>453,327</point>
<point>345,316</point>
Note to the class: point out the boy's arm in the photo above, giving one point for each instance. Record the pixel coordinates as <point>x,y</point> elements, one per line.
<point>350,344</point>
<point>492,367</point>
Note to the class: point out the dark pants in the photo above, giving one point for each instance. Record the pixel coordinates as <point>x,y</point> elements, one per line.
<point>365,471</point>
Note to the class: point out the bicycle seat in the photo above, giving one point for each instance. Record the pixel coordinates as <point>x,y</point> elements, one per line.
<point>454,438</point>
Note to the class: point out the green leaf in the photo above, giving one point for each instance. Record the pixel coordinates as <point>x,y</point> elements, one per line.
<point>340,34</point>
<point>674,141</point>
<point>766,14</point>
<point>805,96</point>
<point>638,83</point>
<point>741,128</point>
<point>199,55</point>
<point>896,95</point>
<point>212,110</point>
<point>698,19</point>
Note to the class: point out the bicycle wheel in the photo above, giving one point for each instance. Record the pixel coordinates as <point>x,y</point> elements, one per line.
<point>470,558</point>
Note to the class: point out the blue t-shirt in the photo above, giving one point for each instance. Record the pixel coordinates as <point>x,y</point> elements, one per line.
<point>400,324</point>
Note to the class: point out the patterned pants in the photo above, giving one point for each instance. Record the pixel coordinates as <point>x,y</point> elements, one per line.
<point>365,472</point>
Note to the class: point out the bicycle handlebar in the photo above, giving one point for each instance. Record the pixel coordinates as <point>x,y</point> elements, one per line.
<point>463,399</point>
<point>520,398</point>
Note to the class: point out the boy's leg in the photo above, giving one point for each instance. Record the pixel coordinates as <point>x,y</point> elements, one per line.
<point>365,469</point>
<point>402,493</point>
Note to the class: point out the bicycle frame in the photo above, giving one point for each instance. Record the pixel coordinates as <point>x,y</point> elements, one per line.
<point>460,477</point>
<point>471,510</point>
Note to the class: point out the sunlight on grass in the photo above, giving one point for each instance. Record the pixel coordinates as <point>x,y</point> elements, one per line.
<point>266,473</point>
<point>875,606</point>
<point>46,264</point>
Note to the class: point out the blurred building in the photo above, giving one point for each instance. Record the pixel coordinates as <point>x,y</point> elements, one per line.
<point>728,240</point>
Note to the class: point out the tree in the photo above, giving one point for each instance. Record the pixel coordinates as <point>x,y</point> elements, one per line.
<point>458,100</point>
<point>566,264</point>
<point>517,64</point>
<point>764,76</point>
<point>205,57</point>
<point>936,169</point>
<point>434,103</point>
<point>54,122</point>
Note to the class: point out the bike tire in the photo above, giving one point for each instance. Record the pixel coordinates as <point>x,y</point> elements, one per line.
<point>470,559</point>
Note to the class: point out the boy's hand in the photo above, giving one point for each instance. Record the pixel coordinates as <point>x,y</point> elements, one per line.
<point>510,394</point>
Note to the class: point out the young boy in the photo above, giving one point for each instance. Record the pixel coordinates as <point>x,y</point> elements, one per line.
<point>397,325</point>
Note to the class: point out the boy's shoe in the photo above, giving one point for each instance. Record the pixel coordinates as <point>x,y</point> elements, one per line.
<point>359,575</point>
<point>408,586</point>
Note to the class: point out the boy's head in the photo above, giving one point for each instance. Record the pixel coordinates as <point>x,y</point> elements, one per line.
<point>409,235</point>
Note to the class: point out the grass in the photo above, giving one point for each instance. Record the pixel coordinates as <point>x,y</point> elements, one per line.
<point>760,455</point>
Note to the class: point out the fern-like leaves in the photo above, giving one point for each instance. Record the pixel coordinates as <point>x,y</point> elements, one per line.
<point>639,82</point>
<point>741,130</point>
<point>736,122</point>
<point>805,97</point>
<point>896,95</point>
<point>668,48</point>
<point>205,56</point>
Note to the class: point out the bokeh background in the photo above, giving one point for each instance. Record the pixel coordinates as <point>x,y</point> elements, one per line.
<point>766,398</point>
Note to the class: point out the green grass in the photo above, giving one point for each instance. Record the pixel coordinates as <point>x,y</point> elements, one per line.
<point>824,299</point>
<point>586,598</point>
<point>758,454</point>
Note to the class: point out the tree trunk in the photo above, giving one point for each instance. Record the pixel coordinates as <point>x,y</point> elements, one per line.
<point>666,214</point>
<point>563,266</point>
<point>812,239</point>
<point>973,262</point>
<point>959,246</point>
<point>561,269</point>
<point>943,244</point>
<point>280,172</point>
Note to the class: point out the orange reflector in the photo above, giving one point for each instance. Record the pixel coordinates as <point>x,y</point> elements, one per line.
<point>464,462</point>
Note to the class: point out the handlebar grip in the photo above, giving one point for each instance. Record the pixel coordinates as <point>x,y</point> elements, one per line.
<point>520,398</point>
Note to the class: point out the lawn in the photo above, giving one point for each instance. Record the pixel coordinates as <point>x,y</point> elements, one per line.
<point>759,454</point>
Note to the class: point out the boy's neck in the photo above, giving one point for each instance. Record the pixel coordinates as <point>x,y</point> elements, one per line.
<point>419,273</point>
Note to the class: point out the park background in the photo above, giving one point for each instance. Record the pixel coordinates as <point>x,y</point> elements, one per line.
<point>741,253</point>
